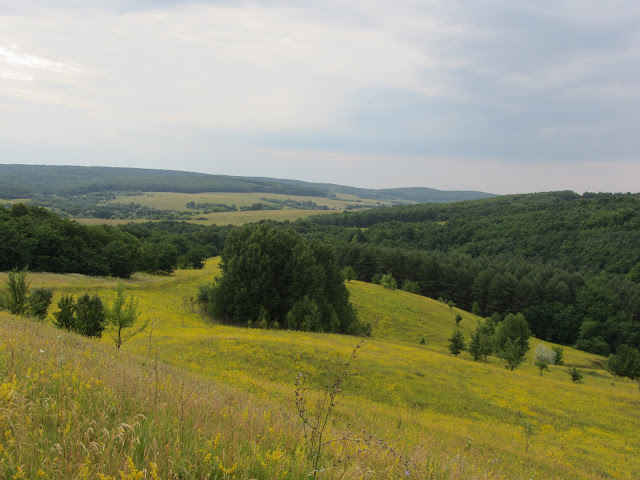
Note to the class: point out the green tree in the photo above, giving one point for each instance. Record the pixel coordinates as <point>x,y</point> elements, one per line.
<point>514,328</point>
<point>65,316</point>
<point>121,317</point>
<point>387,281</point>
<point>121,258</point>
<point>625,362</point>
<point>39,302</point>
<point>481,345</point>
<point>273,274</point>
<point>559,358</point>
<point>90,316</point>
<point>513,353</point>
<point>456,342</point>
<point>349,273</point>
<point>17,296</point>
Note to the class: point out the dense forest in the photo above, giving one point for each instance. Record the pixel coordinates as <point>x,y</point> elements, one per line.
<point>570,263</point>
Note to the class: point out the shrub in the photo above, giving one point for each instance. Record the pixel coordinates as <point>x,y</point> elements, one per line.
<point>17,295</point>
<point>387,281</point>
<point>90,316</point>
<point>39,302</point>
<point>456,342</point>
<point>576,375</point>
<point>65,317</point>
<point>559,358</point>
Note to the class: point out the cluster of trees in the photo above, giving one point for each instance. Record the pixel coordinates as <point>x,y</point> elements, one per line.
<point>506,337</point>
<point>274,278</point>
<point>37,239</point>
<point>86,316</point>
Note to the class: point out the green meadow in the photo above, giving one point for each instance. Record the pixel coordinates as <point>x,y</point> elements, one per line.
<point>445,417</point>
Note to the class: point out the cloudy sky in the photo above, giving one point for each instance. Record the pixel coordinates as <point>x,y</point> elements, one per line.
<point>495,95</point>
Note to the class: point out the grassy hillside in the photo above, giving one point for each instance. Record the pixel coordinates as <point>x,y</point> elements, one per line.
<point>468,419</point>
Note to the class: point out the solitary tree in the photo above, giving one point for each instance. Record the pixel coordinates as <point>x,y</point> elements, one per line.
<point>544,357</point>
<point>121,317</point>
<point>456,342</point>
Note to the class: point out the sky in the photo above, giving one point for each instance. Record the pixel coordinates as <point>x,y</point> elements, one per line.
<point>501,96</point>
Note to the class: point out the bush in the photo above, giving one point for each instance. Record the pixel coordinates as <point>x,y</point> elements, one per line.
<point>39,302</point>
<point>576,375</point>
<point>559,358</point>
<point>17,295</point>
<point>89,316</point>
<point>65,316</point>
<point>387,281</point>
<point>625,362</point>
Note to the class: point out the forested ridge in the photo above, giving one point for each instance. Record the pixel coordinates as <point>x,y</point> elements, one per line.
<point>570,263</point>
<point>22,181</point>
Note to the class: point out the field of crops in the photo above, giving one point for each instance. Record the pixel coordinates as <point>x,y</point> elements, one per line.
<point>449,416</point>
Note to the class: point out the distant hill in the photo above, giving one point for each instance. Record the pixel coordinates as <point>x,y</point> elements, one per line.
<point>18,181</point>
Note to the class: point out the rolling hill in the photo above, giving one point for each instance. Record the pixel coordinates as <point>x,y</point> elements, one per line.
<point>18,181</point>
<point>446,417</point>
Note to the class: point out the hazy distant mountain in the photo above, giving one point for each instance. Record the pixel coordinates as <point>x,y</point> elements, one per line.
<point>26,180</point>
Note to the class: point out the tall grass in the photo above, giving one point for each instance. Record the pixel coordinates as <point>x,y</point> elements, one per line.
<point>72,408</point>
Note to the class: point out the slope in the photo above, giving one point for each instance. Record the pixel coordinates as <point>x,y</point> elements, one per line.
<point>470,419</point>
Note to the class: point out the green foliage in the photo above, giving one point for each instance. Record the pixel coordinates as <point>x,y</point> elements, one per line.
<point>276,278</point>
<point>513,353</point>
<point>481,345</point>
<point>39,302</point>
<point>121,317</point>
<point>514,328</point>
<point>387,281</point>
<point>90,316</point>
<point>576,375</point>
<point>456,342</point>
<point>348,273</point>
<point>411,287</point>
<point>17,292</point>
<point>625,362</point>
<point>65,316</point>
<point>559,357</point>
<point>458,319</point>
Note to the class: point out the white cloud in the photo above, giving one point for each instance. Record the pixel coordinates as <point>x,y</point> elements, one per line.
<point>504,87</point>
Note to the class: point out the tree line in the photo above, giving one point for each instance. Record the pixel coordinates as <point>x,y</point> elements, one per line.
<point>39,240</point>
